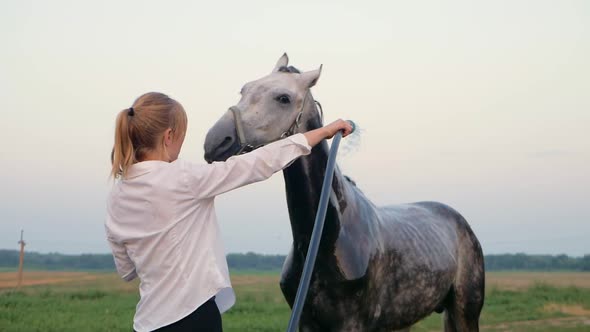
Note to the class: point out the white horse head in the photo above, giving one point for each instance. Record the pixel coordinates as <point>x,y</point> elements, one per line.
<point>272,107</point>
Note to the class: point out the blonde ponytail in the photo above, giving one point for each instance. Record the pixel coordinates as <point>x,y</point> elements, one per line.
<point>138,128</point>
<point>123,152</point>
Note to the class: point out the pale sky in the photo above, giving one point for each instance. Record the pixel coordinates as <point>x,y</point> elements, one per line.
<point>484,106</point>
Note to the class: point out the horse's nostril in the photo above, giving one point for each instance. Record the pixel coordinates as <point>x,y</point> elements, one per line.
<point>221,150</point>
<point>227,141</point>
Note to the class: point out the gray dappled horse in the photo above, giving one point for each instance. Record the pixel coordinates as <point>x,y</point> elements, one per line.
<point>378,268</point>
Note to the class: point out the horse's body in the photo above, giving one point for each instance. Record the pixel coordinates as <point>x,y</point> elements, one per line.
<point>377,269</point>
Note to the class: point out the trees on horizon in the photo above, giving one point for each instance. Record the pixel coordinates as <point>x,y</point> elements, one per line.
<point>253,261</point>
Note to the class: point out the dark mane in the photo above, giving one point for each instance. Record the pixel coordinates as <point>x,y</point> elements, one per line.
<point>290,69</point>
<point>350,180</point>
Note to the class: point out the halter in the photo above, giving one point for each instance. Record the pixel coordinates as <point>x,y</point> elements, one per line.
<point>246,147</point>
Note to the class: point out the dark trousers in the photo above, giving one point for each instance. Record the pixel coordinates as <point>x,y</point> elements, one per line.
<point>205,319</point>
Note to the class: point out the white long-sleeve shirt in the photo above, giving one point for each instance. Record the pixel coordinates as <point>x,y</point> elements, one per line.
<point>162,228</point>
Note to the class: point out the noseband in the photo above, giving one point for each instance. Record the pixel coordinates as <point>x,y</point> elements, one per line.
<point>246,147</point>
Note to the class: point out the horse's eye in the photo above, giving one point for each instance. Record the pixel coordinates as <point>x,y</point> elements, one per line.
<point>283,99</point>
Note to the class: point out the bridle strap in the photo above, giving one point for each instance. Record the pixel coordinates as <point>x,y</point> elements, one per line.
<point>245,146</point>
<point>240,130</point>
<point>321,111</point>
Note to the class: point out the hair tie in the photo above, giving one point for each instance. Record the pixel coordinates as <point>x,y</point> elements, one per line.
<point>131,112</point>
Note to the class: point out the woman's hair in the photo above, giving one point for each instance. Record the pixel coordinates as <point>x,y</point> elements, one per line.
<point>139,129</point>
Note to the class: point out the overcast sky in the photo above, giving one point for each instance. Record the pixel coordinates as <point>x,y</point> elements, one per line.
<point>484,106</point>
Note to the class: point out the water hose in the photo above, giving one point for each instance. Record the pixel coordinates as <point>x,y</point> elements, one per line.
<point>316,234</point>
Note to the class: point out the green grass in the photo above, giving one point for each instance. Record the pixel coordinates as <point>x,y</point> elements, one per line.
<point>108,304</point>
<point>85,310</point>
<point>505,306</point>
<point>241,272</point>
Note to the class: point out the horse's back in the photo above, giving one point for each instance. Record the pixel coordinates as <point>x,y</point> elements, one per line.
<point>423,235</point>
<point>467,244</point>
<point>426,232</point>
<point>429,234</point>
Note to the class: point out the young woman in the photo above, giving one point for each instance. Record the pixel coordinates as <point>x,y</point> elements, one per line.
<point>161,222</point>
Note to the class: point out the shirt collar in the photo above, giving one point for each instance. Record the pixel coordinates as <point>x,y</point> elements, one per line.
<point>143,167</point>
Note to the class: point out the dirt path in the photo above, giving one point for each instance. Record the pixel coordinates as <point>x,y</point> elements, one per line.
<point>522,280</point>
<point>30,278</point>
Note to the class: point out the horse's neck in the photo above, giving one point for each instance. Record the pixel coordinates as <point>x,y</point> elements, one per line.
<point>303,182</point>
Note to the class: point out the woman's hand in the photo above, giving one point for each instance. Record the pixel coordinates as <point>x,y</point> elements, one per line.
<point>317,135</point>
<point>339,125</point>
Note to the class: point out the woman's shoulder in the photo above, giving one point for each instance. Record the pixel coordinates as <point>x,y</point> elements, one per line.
<point>189,166</point>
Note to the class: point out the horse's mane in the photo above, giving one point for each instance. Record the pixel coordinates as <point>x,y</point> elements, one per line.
<point>289,69</point>
<point>350,180</point>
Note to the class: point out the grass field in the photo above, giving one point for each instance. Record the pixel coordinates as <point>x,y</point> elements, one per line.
<point>87,301</point>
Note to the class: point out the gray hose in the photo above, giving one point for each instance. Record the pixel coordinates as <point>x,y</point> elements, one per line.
<point>316,235</point>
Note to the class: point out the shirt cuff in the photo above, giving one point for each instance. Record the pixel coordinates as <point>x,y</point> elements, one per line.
<point>299,139</point>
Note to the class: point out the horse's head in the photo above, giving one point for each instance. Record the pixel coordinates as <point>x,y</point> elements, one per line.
<point>270,108</point>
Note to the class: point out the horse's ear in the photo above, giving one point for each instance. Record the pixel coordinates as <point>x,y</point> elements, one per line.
<point>283,62</point>
<point>310,78</point>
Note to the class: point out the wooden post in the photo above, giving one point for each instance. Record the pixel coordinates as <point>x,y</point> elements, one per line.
<point>21,260</point>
